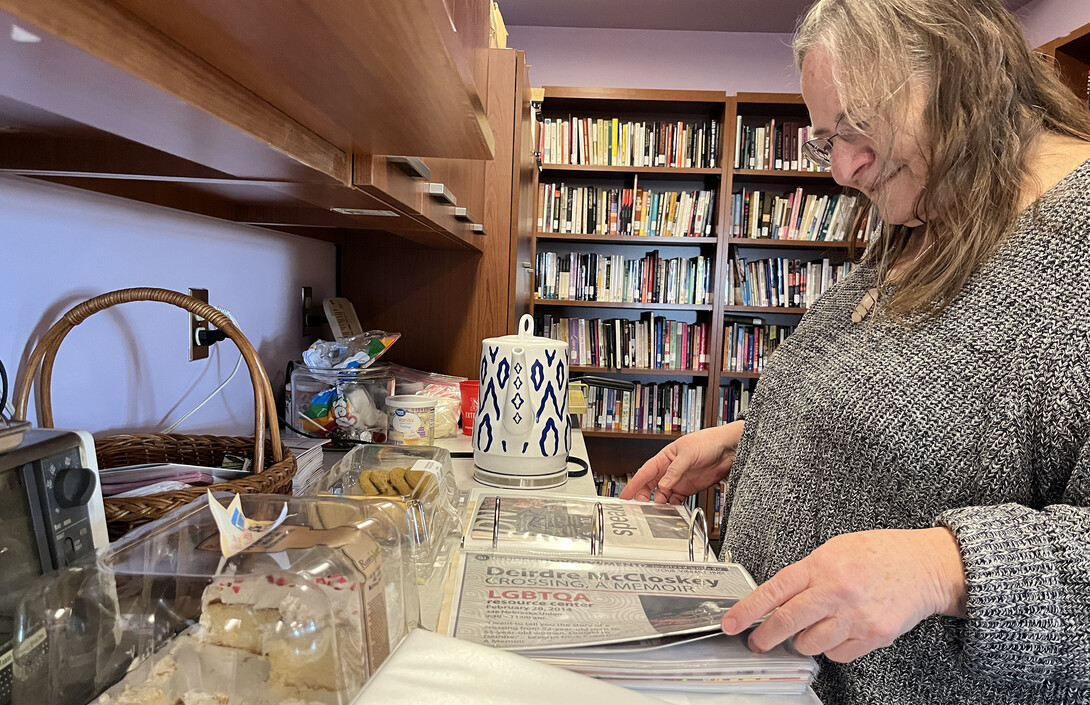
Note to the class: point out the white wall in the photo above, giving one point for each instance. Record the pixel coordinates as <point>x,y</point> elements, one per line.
<point>628,58</point>
<point>127,369</point>
<point>1045,20</point>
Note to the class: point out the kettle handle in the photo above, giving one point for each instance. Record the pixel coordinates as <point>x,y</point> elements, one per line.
<point>526,325</point>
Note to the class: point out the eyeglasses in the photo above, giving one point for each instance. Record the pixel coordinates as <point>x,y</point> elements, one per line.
<point>820,149</point>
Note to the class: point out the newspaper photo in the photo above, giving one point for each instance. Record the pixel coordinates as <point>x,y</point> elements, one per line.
<point>521,602</point>
<point>548,524</point>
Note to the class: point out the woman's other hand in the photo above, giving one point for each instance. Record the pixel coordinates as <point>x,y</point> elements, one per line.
<point>692,463</point>
<point>855,593</point>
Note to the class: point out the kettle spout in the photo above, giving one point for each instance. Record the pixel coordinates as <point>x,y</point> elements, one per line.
<point>518,410</point>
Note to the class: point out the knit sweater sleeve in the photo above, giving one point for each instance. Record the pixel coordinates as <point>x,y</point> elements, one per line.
<point>1028,569</point>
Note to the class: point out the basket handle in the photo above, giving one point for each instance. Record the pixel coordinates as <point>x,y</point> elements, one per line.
<point>45,353</point>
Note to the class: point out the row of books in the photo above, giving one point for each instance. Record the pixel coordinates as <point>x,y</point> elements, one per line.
<point>733,401</point>
<point>799,215</point>
<point>772,146</point>
<point>657,407</point>
<point>649,343</point>
<point>590,276</point>
<point>781,282</point>
<point>746,346</point>
<point>616,142</point>
<point>593,210</point>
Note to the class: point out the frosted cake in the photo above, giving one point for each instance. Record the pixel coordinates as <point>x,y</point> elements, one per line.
<point>264,638</point>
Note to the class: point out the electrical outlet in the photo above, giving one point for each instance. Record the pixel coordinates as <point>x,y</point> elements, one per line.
<point>197,323</point>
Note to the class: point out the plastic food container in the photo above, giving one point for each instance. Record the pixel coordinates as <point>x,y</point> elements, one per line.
<point>308,612</point>
<point>416,481</point>
<point>410,420</point>
<point>336,403</point>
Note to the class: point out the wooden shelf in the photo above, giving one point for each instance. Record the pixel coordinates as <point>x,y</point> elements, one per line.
<point>1072,56</point>
<point>740,375</point>
<point>656,372</point>
<point>625,239</point>
<point>622,304</point>
<point>657,170</point>
<point>764,309</point>
<point>771,242</point>
<point>208,108</point>
<point>768,174</point>
<point>645,435</point>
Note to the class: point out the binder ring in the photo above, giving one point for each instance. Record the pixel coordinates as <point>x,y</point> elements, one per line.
<point>698,512</point>
<point>598,531</point>
<point>496,524</point>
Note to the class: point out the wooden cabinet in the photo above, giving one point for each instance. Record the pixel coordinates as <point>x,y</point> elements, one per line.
<point>445,301</point>
<point>248,111</point>
<point>1072,56</point>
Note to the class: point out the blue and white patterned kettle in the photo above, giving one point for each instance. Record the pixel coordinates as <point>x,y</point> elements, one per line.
<point>522,431</point>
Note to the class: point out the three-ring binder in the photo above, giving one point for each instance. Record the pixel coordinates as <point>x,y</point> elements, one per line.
<point>597,533</point>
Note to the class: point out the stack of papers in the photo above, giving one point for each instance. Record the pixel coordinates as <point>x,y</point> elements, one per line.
<point>647,625</point>
<point>308,459</point>
<point>134,477</point>
<point>713,663</point>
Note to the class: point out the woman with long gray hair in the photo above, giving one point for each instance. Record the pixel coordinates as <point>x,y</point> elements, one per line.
<point>911,482</point>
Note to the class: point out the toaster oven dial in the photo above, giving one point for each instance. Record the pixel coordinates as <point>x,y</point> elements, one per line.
<point>73,487</point>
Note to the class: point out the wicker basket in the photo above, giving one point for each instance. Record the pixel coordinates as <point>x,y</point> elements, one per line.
<point>274,465</point>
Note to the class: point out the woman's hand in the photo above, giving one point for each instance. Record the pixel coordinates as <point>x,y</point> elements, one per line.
<point>856,593</point>
<point>692,463</point>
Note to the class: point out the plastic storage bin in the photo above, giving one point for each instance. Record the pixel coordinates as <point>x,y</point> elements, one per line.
<point>307,612</point>
<point>415,482</point>
<point>335,403</point>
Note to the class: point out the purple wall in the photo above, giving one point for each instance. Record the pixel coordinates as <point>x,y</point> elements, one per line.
<point>728,61</point>
<point>127,368</point>
<point>631,58</point>
<point>1045,20</point>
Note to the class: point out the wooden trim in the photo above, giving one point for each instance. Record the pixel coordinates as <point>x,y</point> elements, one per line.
<point>777,98</point>
<point>783,173</point>
<point>596,369</point>
<point>625,239</point>
<point>770,242</point>
<point>590,94</point>
<point>602,169</point>
<point>621,304</point>
<point>642,435</point>
<point>764,309</point>
<point>728,374</point>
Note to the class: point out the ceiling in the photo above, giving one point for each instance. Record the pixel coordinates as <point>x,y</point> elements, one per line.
<point>777,16</point>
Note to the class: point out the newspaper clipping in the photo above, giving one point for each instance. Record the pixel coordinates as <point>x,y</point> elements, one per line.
<point>561,524</point>
<point>525,602</point>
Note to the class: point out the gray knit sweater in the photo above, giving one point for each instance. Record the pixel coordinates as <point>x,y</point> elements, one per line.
<point>978,421</point>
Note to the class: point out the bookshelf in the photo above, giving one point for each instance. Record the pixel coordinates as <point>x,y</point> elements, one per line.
<point>1072,55</point>
<point>586,200</point>
<point>689,186</point>
<point>786,233</point>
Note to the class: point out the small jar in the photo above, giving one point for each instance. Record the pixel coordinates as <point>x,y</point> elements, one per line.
<point>410,420</point>
<point>340,403</point>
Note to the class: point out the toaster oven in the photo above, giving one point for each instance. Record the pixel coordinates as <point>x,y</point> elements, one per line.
<point>51,515</point>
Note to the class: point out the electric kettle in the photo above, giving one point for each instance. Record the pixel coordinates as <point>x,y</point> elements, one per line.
<point>522,431</point>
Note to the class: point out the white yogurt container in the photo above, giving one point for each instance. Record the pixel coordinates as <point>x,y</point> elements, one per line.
<point>410,420</point>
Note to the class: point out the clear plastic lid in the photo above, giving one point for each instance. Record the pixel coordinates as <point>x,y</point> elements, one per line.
<point>417,478</point>
<point>307,612</point>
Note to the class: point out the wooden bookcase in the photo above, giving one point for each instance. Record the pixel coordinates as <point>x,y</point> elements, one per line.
<point>615,452</point>
<point>1072,55</point>
<point>619,452</point>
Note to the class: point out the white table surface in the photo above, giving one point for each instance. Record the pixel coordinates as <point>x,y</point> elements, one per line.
<point>431,594</point>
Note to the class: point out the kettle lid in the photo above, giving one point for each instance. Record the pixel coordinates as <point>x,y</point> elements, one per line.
<point>525,336</point>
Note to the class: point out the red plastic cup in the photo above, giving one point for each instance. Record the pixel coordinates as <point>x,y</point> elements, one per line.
<point>470,389</point>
